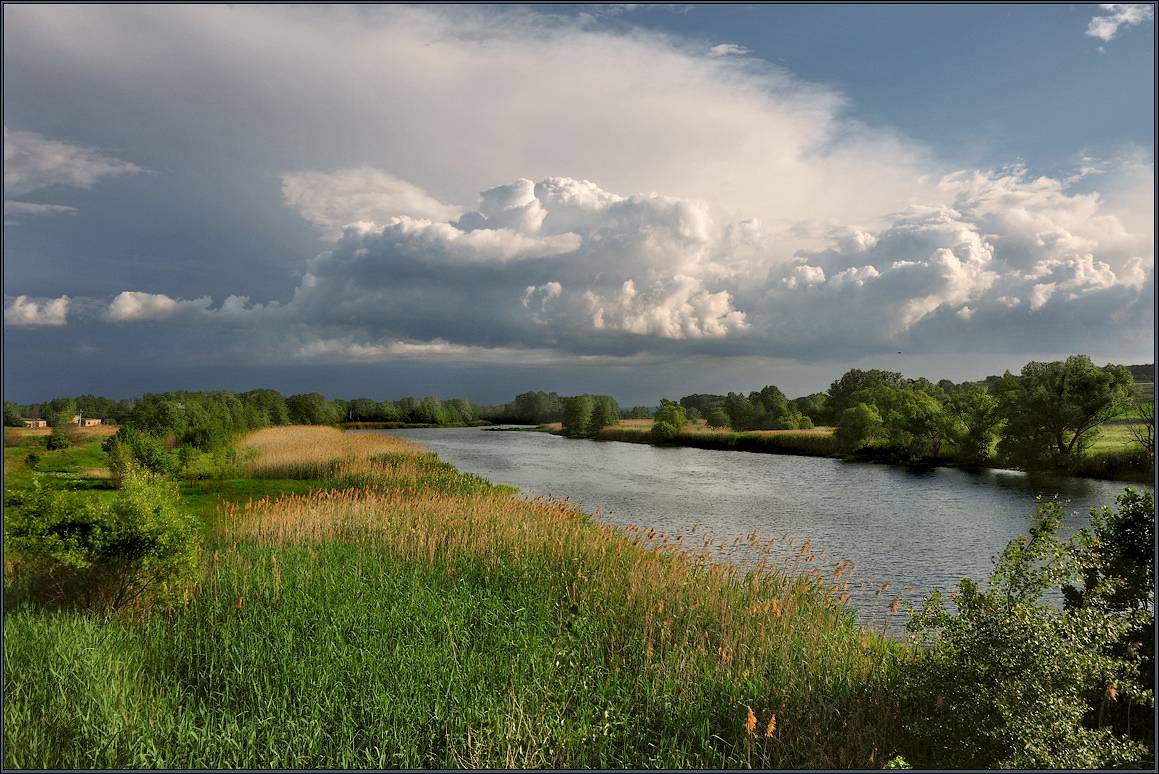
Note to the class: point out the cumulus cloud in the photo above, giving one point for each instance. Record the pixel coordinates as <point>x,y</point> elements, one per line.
<point>25,312</point>
<point>700,204</point>
<point>1105,28</point>
<point>332,200</point>
<point>136,306</point>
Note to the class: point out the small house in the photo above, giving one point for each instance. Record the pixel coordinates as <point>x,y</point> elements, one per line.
<point>88,422</point>
<point>36,423</point>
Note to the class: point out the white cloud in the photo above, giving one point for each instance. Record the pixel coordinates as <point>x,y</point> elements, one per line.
<point>14,210</point>
<point>804,276</point>
<point>332,200</point>
<point>727,49</point>
<point>33,162</point>
<point>136,306</point>
<point>1105,28</point>
<point>28,312</point>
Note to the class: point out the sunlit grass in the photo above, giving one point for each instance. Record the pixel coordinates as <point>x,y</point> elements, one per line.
<point>401,614</point>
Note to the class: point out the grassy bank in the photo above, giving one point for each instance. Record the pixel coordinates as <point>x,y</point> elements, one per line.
<point>1114,455</point>
<point>362,604</point>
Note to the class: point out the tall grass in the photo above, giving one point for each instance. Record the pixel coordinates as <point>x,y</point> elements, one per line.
<point>818,442</point>
<point>423,618</point>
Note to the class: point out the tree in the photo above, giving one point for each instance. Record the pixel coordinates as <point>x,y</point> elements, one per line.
<point>12,415</point>
<point>977,411</point>
<point>815,406</point>
<point>841,391</point>
<point>1142,432</point>
<point>668,421</point>
<point>311,408</point>
<point>717,418</point>
<point>1006,681</point>
<point>605,413</point>
<point>577,414</point>
<point>1053,410</point>
<point>858,427</point>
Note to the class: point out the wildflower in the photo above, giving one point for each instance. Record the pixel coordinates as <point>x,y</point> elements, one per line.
<point>772,726</point>
<point>750,722</point>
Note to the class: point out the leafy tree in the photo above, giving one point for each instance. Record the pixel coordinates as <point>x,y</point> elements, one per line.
<point>362,410</point>
<point>605,413</point>
<point>1006,680</point>
<point>1119,576</point>
<point>717,418</point>
<point>577,414</point>
<point>703,403</point>
<point>638,412</point>
<point>977,411</point>
<point>311,408</point>
<point>815,407</point>
<point>841,391</point>
<point>12,415</point>
<point>131,451</point>
<point>914,426</point>
<point>1053,410</point>
<point>668,421</point>
<point>858,427</point>
<point>1143,431</point>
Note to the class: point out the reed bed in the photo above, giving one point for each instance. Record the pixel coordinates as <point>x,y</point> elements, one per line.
<point>418,617</point>
<point>817,442</point>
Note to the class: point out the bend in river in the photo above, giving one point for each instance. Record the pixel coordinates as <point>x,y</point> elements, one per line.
<point>919,530</point>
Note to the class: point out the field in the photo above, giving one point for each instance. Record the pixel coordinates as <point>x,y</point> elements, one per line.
<point>362,604</point>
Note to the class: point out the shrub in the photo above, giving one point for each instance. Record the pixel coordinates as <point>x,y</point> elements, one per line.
<point>133,450</point>
<point>669,415</point>
<point>32,459</point>
<point>79,551</point>
<point>664,431</point>
<point>58,440</point>
<point>1006,681</point>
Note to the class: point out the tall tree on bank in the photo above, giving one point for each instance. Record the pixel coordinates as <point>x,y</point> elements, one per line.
<point>1053,410</point>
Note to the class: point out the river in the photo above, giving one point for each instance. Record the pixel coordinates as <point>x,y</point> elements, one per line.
<point>917,529</point>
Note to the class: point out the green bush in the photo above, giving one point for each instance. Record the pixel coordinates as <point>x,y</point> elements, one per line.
<point>32,459</point>
<point>83,552</point>
<point>58,440</point>
<point>133,450</point>
<point>1007,681</point>
<point>664,431</point>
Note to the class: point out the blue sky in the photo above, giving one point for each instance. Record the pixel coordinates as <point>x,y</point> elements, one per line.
<point>980,83</point>
<point>646,201</point>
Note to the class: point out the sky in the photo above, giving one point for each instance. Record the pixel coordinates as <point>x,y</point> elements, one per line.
<point>642,200</point>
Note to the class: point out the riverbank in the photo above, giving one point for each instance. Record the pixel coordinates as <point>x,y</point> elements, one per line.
<point>1112,460</point>
<point>360,603</point>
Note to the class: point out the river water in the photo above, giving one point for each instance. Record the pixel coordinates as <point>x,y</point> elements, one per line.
<point>917,529</point>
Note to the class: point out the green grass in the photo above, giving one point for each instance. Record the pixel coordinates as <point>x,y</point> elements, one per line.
<point>572,646</point>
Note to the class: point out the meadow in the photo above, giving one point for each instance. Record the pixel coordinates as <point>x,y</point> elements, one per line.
<point>360,603</point>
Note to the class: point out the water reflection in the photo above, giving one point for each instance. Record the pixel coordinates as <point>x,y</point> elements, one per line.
<point>917,529</point>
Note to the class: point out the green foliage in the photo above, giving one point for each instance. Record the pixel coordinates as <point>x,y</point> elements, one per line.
<point>977,412</point>
<point>58,440</point>
<point>1007,680</point>
<point>1053,410</point>
<point>85,552</point>
<point>717,418</point>
<point>840,395</point>
<point>858,427</point>
<point>312,408</point>
<point>605,413</point>
<point>668,421</point>
<point>914,426</point>
<point>577,414</point>
<point>32,459</point>
<point>132,450</point>
<point>12,415</point>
